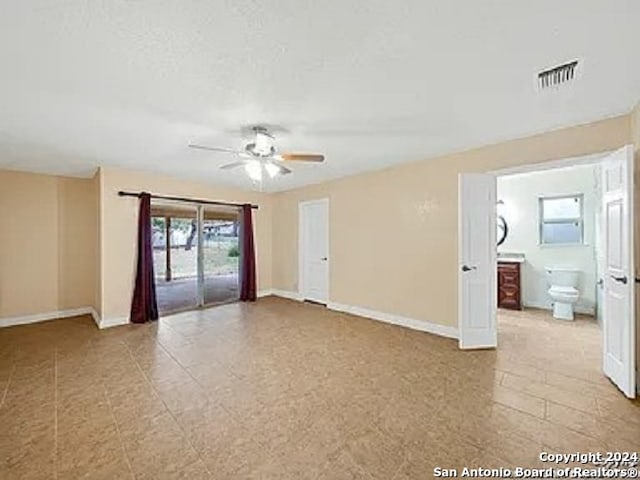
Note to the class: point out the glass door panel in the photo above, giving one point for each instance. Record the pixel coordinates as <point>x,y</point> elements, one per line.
<point>175,253</point>
<point>220,255</point>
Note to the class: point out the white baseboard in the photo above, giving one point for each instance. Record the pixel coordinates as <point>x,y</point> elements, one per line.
<point>43,317</point>
<point>287,294</point>
<point>265,293</point>
<point>584,310</point>
<point>96,317</point>
<point>113,322</point>
<point>412,323</point>
<point>75,312</point>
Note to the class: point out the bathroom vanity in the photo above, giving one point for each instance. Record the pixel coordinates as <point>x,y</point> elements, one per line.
<point>509,284</point>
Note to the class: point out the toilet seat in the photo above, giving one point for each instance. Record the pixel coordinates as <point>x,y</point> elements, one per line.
<point>564,291</point>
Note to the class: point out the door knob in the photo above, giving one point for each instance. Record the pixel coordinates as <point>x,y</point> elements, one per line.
<point>467,268</point>
<point>622,279</point>
<point>324,259</point>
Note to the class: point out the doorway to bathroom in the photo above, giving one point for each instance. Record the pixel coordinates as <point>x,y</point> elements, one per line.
<point>550,257</point>
<point>548,266</point>
<point>546,259</point>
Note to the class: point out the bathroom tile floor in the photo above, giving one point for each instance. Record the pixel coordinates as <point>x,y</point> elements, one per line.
<point>279,389</point>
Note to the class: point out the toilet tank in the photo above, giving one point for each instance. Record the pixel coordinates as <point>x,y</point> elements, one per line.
<point>563,276</point>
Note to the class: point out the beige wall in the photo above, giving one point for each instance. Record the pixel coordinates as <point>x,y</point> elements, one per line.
<point>67,243</point>
<point>47,243</point>
<point>393,233</point>
<point>119,229</point>
<point>77,226</point>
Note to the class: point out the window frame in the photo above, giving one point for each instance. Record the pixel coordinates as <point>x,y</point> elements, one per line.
<point>560,221</point>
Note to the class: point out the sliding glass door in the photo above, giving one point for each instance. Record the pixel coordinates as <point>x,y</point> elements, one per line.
<point>220,255</point>
<point>195,254</point>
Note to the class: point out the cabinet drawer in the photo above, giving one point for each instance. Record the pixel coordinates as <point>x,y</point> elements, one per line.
<point>508,278</point>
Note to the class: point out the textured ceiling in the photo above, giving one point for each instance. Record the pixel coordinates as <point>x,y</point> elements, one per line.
<point>370,83</point>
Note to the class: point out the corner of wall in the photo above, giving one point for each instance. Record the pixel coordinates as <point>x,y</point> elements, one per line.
<point>99,295</point>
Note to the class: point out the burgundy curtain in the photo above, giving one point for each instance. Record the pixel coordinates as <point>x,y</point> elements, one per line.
<point>143,304</point>
<point>247,256</point>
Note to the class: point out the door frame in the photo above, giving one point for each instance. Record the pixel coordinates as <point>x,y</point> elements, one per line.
<point>590,159</point>
<point>301,245</point>
<point>200,276</point>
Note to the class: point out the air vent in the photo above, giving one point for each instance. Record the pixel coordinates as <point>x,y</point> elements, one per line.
<point>555,76</point>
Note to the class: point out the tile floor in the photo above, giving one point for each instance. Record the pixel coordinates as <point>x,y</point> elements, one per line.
<point>284,390</point>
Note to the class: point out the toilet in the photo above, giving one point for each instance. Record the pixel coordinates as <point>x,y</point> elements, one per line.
<point>563,290</point>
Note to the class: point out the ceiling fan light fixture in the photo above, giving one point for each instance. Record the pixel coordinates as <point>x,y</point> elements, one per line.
<point>263,145</point>
<point>260,157</point>
<point>271,169</point>
<point>254,170</point>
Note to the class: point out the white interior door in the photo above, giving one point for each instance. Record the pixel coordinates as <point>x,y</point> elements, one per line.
<point>618,296</point>
<point>477,297</point>
<point>314,250</point>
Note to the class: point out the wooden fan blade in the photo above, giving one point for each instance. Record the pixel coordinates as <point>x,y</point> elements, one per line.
<point>302,157</point>
<point>229,166</point>
<point>215,149</point>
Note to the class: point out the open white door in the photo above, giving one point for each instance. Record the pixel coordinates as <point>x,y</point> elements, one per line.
<point>477,297</point>
<point>314,250</point>
<point>618,296</point>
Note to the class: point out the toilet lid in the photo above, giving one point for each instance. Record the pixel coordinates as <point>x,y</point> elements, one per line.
<point>564,290</point>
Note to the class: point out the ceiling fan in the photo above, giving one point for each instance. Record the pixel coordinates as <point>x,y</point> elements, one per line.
<point>260,156</point>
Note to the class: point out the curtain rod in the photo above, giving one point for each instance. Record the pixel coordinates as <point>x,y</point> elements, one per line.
<point>183,199</point>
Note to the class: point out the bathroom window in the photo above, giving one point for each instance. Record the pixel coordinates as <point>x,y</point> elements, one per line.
<point>561,220</point>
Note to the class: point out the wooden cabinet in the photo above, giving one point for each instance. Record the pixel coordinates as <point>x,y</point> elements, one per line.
<point>509,292</point>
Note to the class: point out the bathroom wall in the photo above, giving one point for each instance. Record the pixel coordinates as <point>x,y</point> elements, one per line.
<point>520,194</point>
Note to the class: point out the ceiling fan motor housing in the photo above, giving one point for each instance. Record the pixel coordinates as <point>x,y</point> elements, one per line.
<point>263,144</point>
